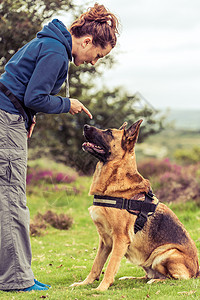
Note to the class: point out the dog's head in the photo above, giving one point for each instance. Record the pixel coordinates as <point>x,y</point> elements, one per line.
<point>110,144</point>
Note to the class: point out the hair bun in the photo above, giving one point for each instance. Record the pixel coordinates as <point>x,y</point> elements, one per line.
<point>98,22</point>
<point>98,13</point>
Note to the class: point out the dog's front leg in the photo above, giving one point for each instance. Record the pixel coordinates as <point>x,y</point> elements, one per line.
<point>100,259</point>
<point>120,245</point>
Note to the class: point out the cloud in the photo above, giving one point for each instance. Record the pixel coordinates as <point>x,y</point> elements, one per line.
<point>157,14</point>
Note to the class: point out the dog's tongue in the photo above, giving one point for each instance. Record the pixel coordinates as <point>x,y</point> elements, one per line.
<point>92,147</point>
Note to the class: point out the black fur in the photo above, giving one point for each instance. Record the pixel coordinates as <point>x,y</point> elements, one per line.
<point>164,229</point>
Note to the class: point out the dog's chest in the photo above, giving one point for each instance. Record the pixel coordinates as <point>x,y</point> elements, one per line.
<point>102,224</point>
<point>94,213</point>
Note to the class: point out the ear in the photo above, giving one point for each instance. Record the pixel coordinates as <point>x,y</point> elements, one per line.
<point>123,126</point>
<point>131,135</point>
<point>87,40</point>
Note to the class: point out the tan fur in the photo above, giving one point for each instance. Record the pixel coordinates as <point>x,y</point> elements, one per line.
<point>162,252</point>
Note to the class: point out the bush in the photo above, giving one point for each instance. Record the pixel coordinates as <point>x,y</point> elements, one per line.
<point>155,167</point>
<point>36,175</point>
<point>188,156</point>
<point>172,182</point>
<point>40,222</point>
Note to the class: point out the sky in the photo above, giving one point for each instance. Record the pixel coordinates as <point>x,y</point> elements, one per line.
<point>158,51</point>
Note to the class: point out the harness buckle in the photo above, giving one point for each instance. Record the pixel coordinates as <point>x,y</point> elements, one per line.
<point>140,221</point>
<point>126,203</point>
<point>142,216</point>
<point>150,195</point>
<point>129,204</point>
<point>137,228</point>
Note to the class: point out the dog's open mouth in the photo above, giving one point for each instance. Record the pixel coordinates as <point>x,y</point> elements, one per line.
<point>90,147</point>
<point>95,143</point>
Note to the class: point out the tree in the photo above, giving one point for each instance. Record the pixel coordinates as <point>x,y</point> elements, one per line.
<point>61,136</point>
<point>21,19</point>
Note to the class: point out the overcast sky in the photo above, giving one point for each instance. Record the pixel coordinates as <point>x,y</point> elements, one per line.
<point>158,51</point>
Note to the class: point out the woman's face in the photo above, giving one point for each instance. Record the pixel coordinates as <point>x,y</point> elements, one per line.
<point>84,51</point>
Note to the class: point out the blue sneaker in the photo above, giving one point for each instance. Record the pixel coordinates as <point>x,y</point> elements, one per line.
<point>34,287</point>
<point>41,284</point>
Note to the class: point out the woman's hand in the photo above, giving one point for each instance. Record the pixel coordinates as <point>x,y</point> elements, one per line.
<point>77,107</point>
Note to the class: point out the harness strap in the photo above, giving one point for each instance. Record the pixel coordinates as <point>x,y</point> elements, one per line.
<point>145,208</point>
<point>144,213</point>
<point>116,202</point>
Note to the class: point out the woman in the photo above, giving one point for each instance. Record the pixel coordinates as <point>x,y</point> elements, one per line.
<point>32,78</point>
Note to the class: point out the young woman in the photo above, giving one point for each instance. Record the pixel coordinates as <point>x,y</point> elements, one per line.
<point>30,84</point>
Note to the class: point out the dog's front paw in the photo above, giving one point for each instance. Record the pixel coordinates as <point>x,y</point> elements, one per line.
<point>155,280</point>
<point>131,277</point>
<point>77,284</point>
<point>103,287</point>
<point>127,277</point>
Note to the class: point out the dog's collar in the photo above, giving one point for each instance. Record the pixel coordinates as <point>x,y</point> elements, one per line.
<point>141,205</point>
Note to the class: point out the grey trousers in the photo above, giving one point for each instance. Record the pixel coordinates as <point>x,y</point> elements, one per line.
<point>15,249</point>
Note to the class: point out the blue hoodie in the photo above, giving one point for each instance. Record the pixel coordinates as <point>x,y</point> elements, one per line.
<point>37,71</point>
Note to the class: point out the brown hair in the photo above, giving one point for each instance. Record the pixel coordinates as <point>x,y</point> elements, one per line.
<point>98,22</point>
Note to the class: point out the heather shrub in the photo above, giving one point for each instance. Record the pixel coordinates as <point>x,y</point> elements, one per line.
<point>180,187</point>
<point>172,182</point>
<point>155,167</point>
<point>40,222</point>
<point>35,176</point>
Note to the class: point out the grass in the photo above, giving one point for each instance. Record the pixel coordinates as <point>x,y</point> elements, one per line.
<point>63,257</point>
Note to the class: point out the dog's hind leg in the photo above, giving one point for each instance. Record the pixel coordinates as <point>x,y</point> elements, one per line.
<point>174,264</point>
<point>100,259</point>
<point>179,270</point>
<point>120,245</point>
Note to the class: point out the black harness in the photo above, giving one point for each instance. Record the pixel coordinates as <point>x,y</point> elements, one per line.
<point>146,207</point>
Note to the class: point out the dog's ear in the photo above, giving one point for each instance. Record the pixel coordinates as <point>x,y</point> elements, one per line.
<point>123,126</point>
<point>131,135</point>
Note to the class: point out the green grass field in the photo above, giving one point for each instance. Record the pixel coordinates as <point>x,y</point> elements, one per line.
<point>62,257</point>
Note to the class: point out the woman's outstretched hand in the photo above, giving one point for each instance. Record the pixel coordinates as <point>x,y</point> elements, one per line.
<point>77,107</point>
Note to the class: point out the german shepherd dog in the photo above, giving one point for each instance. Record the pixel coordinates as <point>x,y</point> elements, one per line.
<point>162,247</point>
